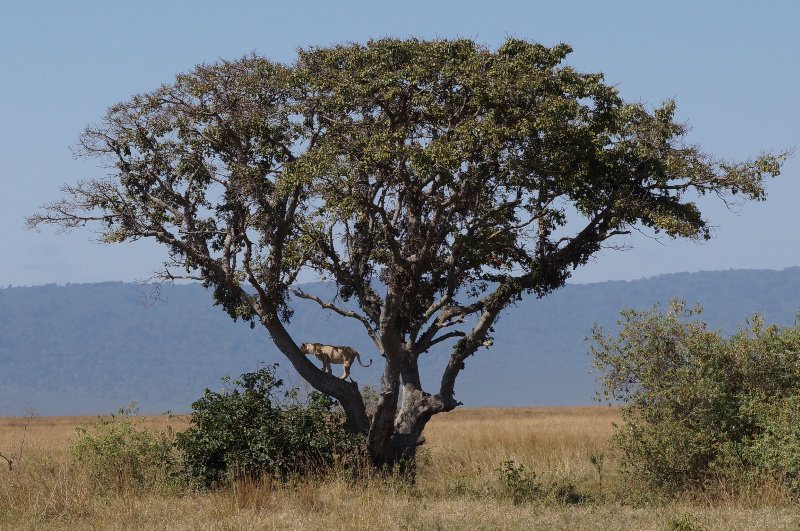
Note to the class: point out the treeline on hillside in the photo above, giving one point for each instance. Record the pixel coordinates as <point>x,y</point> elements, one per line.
<point>90,348</point>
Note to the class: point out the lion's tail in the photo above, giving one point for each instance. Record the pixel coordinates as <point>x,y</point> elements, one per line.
<point>358,357</point>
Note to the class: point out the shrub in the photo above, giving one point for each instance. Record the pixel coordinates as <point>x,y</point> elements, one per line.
<point>119,455</point>
<point>699,408</point>
<point>684,522</point>
<point>249,430</point>
<point>520,484</point>
<point>517,482</point>
<point>775,449</point>
<point>371,399</point>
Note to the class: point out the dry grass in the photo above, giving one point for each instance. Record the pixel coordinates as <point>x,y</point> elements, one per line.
<point>555,442</point>
<point>457,485</point>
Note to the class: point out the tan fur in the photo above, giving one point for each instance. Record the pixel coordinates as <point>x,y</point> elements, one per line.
<point>328,354</point>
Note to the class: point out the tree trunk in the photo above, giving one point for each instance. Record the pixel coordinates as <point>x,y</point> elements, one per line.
<point>414,414</point>
<point>382,425</point>
<point>396,432</point>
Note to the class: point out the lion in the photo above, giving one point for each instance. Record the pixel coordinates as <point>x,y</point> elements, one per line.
<point>328,354</point>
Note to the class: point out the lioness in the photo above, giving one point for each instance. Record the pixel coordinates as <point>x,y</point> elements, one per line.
<point>328,354</point>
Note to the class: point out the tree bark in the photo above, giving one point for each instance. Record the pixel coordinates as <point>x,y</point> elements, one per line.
<point>382,426</point>
<point>417,409</point>
<point>399,421</point>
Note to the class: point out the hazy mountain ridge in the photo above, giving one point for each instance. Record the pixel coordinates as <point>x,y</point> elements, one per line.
<point>90,348</point>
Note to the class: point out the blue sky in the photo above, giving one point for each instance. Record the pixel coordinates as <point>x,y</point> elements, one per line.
<point>731,66</point>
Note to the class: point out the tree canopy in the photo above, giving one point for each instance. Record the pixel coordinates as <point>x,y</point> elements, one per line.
<point>435,182</point>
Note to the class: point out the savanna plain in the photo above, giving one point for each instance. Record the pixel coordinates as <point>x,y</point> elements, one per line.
<point>477,470</point>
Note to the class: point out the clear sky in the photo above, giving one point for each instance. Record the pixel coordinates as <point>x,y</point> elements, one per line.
<point>732,66</point>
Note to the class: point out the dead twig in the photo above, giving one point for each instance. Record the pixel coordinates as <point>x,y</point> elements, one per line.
<point>28,419</point>
<point>9,460</point>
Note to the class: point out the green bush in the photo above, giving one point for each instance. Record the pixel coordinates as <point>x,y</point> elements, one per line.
<point>698,408</point>
<point>249,430</point>
<point>775,449</point>
<point>120,456</point>
<point>517,482</point>
<point>520,484</point>
<point>684,522</point>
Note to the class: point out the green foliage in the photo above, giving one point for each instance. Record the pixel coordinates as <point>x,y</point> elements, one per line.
<point>248,430</point>
<point>776,447</point>
<point>517,482</point>
<point>371,397</point>
<point>119,455</point>
<point>597,460</point>
<point>700,408</point>
<point>520,484</point>
<point>684,522</point>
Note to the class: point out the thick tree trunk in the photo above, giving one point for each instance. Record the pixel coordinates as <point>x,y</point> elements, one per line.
<point>416,410</point>
<point>398,423</point>
<point>382,425</point>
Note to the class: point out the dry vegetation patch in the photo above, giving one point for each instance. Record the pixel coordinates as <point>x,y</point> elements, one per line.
<point>458,485</point>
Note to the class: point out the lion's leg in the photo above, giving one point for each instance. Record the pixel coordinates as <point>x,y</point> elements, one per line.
<point>346,372</point>
<point>326,366</point>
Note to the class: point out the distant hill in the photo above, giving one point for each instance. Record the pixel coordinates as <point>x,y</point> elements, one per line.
<point>91,348</point>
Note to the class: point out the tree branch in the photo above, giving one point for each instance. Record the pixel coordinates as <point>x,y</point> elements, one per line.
<point>344,313</point>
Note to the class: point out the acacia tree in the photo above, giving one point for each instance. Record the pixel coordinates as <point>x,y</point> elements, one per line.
<point>434,182</point>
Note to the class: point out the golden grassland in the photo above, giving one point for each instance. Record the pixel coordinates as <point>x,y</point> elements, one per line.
<point>457,487</point>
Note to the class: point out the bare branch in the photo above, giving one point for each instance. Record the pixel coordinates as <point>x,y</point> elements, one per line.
<point>445,337</point>
<point>344,313</point>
